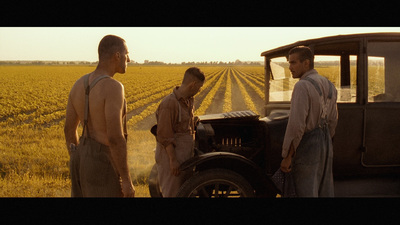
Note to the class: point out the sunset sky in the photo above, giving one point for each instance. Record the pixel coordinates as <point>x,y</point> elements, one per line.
<point>166,44</point>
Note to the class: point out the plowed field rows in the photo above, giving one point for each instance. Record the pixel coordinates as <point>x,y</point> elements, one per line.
<point>36,96</point>
<point>34,160</point>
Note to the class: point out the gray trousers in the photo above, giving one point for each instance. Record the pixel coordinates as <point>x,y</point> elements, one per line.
<point>92,171</point>
<point>312,165</point>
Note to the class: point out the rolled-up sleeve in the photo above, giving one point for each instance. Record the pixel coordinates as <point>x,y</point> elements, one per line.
<point>166,115</point>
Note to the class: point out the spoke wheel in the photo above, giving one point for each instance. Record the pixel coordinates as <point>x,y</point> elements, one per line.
<point>216,183</point>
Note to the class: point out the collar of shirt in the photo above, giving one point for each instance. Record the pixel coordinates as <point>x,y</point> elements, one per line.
<point>179,96</point>
<point>306,74</point>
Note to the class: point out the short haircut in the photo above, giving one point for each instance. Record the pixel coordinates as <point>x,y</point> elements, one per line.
<point>193,72</point>
<point>109,45</point>
<point>304,53</point>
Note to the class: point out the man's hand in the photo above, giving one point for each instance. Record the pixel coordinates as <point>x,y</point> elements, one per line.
<point>286,164</point>
<point>196,120</point>
<point>174,165</point>
<point>128,189</point>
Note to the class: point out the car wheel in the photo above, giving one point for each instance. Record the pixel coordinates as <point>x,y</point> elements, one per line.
<point>154,186</point>
<point>216,183</point>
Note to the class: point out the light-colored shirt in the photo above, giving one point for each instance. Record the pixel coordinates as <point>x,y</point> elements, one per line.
<point>167,115</point>
<point>306,110</point>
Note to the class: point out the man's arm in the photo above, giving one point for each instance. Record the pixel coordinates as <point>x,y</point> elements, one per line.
<point>71,124</point>
<point>114,104</point>
<point>296,125</point>
<point>286,164</point>
<point>165,134</point>
<point>173,162</point>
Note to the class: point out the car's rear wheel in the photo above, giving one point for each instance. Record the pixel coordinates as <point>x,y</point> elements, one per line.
<point>216,183</point>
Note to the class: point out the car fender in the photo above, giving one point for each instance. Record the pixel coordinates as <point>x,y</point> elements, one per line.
<point>237,163</point>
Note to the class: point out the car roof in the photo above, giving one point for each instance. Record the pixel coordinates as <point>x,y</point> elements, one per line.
<point>284,49</point>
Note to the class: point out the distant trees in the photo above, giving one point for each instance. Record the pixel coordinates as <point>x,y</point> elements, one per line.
<point>146,62</point>
<point>237,62</point>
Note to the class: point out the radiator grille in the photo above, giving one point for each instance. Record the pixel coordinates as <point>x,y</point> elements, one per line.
<point>237,142</point>
<point>241,114</point>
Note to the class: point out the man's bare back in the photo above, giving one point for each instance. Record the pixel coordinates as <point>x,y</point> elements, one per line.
<point>106,104</point>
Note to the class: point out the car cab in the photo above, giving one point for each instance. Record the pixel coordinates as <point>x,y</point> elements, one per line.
<point>365,69</point>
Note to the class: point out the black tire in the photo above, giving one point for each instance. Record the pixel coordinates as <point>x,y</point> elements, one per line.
<point>154,186</point>
<point>216,183</point>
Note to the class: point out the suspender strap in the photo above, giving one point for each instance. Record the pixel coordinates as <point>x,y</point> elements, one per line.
<point>319,89</point>
<point>124,121</point>
<point>87,92</point>
<point>180,110</point>
<point>180,113</point>
<point>323,103</point>
<point>315,85</point>
<point>85,119</point>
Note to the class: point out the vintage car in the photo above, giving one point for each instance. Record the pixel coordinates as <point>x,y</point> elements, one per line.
<point>238,152</point>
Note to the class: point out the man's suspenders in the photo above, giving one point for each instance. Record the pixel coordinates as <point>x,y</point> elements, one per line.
<point>179,108</point>
<point>87,92</point>
<point>323,103</point>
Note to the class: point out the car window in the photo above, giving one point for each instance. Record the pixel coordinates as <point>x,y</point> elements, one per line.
<point>329,67</point>
<point>384,72</point>
<point>282,83</point>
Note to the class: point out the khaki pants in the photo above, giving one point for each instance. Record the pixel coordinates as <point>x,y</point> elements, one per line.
<point>92,171</point>
<point>170,183</point>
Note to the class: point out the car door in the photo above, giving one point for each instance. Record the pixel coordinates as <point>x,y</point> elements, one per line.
<point>382,125</point>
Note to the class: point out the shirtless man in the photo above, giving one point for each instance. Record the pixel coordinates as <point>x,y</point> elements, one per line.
<point>98,164</point>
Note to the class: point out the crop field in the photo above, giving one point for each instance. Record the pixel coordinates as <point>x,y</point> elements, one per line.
<point>34,159</point>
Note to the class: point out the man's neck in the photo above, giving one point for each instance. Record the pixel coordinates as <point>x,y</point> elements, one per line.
<point>103,69</point>
<point>183,92</point>
<point>307,73</point>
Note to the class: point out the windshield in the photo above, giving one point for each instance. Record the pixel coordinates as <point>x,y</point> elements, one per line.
<point>281,83</point>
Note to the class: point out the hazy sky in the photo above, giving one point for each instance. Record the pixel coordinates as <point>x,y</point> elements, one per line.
<point>167,44</point>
